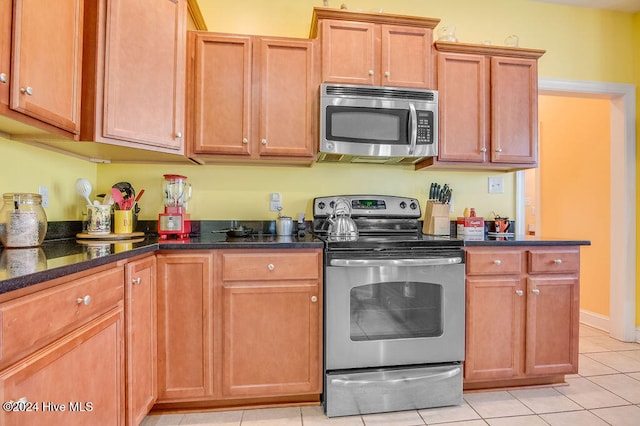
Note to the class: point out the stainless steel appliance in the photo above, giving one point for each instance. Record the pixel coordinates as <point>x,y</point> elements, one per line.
<point>377,124</point>
<point>394,310</point>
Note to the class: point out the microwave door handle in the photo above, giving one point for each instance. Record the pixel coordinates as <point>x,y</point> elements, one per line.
<point>413,126</point>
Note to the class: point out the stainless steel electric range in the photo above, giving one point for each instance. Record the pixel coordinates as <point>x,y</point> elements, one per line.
<point>394,309</point>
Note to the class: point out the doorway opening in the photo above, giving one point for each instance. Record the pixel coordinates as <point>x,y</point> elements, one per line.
<point>621,207</point>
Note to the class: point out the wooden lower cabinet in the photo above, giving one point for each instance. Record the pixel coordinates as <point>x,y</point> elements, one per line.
<point>185,329</point>
<point>239,327</point>
<point>63,351</point>
<point>271,323</point>
<point>522,315</point>
<point>141,332</point>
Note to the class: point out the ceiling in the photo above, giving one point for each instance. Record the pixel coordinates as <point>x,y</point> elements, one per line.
<point>621,5</point>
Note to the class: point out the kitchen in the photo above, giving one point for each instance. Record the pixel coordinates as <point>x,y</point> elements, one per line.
<point>241,192</point>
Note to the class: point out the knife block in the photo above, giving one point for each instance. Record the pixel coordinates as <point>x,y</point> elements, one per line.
<point>436,219</point>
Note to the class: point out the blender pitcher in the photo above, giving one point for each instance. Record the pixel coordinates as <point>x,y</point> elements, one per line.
<point>177,192</point>
<point>175,221</point>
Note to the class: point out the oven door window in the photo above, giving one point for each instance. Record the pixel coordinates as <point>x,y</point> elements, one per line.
<point>368,125</point>
<point>396,310</point>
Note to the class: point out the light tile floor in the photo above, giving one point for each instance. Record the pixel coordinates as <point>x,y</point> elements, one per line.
<point>606,391</point>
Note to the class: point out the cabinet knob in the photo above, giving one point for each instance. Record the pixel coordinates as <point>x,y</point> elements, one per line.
<point>558,261</point>
<point>520,293</point>
<point>535,291</point>
<point>387,74</point>
<point>370,72</point>
<point>314,299</point>
<point>245,141</point>
<point>263,141</point>
<point>483,149</point>
<point>179,135</point>
<point>497,262</point>
<point>271,266</point>
<point>498,149</point>
<point>136,281</point>
<point>83,300</point>
<point>26,90</point>
<point>3,77</point>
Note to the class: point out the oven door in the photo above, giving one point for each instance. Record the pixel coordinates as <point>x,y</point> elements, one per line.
<point>389,312</point>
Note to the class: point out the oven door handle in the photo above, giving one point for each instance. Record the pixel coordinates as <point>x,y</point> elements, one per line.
<point>396,262</point>
<point>443,375</point>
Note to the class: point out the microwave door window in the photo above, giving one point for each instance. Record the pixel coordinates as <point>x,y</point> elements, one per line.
<point>367,125</point>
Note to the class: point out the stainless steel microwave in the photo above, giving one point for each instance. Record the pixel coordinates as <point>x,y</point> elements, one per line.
<point>371,124</point>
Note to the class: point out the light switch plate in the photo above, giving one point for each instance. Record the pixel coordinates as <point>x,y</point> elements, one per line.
<point>496,185</point>
<point>44,193</point>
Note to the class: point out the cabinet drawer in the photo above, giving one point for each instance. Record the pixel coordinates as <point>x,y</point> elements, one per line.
<point>275,265</point>
<point>554,261</point>
<point>494,262</point>
<point>32,321</point>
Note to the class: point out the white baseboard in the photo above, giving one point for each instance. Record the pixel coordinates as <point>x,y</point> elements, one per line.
<point>600,322</point>
<point>594,320</point>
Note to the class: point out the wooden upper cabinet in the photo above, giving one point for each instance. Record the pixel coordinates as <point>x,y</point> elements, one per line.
<point>6,12</point>
<point>221,92</point>
<point>488,100</point>
<point>463,84</point>
<point>251,98</point>
<point>134,73</point>
<point>46,73</point>
<point>287,96</point>
<point>514,110</point>
<point>375,49</point>
<point>350,53</point>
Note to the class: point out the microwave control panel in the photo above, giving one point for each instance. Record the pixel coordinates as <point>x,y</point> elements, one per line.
<point>425,120</point>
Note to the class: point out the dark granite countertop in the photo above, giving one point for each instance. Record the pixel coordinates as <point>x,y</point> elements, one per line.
<point>524,240</point>
<point>20,268</point>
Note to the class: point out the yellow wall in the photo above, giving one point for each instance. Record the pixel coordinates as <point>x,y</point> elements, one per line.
<point>574,187</point>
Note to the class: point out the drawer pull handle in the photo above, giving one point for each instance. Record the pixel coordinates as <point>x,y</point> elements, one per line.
<point>557,261</point>
<point>314,299</point>
<point>271,266</point>
<point>497,262</point>
<point>245,141</point>
<point>27,90</point>
<point>535,291</point>
<point>136,281</point>
<point>520,293</point>
<point>83,300</point>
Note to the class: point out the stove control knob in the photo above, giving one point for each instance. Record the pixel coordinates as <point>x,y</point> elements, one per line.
<point>321,205</point>
<point>403,205</point>
<point>413,205</point>
<point>331,204</point>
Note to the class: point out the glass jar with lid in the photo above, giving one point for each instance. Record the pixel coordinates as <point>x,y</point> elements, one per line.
<point>23,222</point>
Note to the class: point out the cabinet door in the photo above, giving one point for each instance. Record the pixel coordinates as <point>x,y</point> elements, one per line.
<point>221,94</point>
<point>184,326</point>
<point>350,52</point>
<point>77,380</point>
<point>287,95</point>
<point>514,110</point>
<point>271,339</point>
<point>47,61</point>
<point>145,72</point>
<point>5,50</point>
<point>552,325</point>
<point>494,328</point>
<point>406,58</point>
<point>141,332</point>
<point>463,96</point>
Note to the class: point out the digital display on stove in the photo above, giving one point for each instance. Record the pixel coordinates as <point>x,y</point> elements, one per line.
<point>368,204</point>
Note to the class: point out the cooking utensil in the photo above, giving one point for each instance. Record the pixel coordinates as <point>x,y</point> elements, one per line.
<point>83,187</point>
<point>118,198</point>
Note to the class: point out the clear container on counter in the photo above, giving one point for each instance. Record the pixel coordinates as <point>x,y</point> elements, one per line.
<point>23,222</point>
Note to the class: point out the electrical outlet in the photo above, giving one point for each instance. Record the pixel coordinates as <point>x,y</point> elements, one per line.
<point>275,201</point>
<point>496,185</point>
<point>44,193</point>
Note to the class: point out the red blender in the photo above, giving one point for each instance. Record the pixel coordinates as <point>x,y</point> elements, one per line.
<point>175,220</point>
